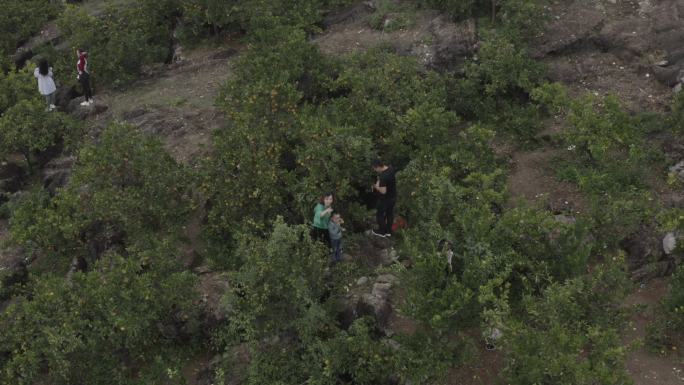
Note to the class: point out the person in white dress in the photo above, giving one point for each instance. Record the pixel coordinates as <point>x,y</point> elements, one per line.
<point>46,84</point>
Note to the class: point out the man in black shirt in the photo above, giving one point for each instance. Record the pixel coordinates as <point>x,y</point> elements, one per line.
<point>386,188</point>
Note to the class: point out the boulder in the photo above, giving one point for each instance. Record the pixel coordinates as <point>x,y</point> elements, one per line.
<point>678,170</point>
<point>11,177</point>
<point>388,256</point>
<point>577,27</point>
<point>627,38</point>
<point>653,270</point>
<point>644,247</point>
<point>49,33</point>
<point>670,242</point>
<point>214,286</point>
<point>668,76</point>
<point>13,270</point>
<point>564,219</point>
<point>369,300</point>
<point>224,54</point>
<point>56,173</point>
<point>83,112</point>
<point>354,11</point>
<point>451,44</point>
<point>22,55</point>
<point>377,307</point>
<point>64,95</point>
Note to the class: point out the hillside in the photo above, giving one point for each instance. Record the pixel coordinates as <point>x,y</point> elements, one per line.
<point>162,234</point>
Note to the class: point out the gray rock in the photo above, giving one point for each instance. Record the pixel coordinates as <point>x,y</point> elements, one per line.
<point>377,307</point>
<point>78,111</point>
<point>668,76</point>
<point>11,177</point>
<point>388,257</point>
<point>564,219</point>
<point>644,247</point>
<point>670,242</point>
<point>677,89</point>
<point>13,269</point>
<point>360,302</point>
<point>563,33</point>
<point>213,287</point>
<point>224,54</point>
<point>56,173</point>
<point>678,170</point>
<point>381,289</point>
<point>451,44</point>
<point>388,278</point>
<point>64,95</point>
<point>353,11</point>
<point>653,270</point>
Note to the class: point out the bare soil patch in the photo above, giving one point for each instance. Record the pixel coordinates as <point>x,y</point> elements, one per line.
<point>645,367</point>
<point>175,102</point>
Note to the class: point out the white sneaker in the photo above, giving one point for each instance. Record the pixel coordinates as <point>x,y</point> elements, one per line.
<point>52,107</point>
<point>84,103</point>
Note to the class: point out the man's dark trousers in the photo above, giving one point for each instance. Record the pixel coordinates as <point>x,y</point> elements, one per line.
<point>385,216</point>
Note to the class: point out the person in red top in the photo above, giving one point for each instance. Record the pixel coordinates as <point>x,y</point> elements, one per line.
<point>84,76</point>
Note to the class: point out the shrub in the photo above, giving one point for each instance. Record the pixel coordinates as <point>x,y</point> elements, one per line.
<point>516,18</point>
<point>27,128</point>
<point>664,332</point>
<point>116,324</point>
<point>22,18</point>
<point>571,334</point>
<point>204,17</point>
<point>611,163</point>
<point>122,39</point>
<point>124,191</point>
<point>279,284</point>
<point>677,116</point>
<point>17,85</point>
<point>497,86</point>
<point>261,101</point>
<point>547,245</point>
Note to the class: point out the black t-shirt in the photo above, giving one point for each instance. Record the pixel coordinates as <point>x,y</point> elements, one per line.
<point>388,180</point>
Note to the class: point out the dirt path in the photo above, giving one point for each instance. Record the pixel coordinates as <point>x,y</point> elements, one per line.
<point>645,367</point>
<point>175,102</point>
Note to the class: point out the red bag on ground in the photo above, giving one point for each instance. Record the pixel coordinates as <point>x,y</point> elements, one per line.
<point>399,223</point>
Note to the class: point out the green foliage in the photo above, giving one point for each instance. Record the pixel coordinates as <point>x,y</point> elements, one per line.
<point>547,245</point>
<point>677,116</point>
<point>304,130</point>
<point>27,128</point>
<point>571,334</point>
<point>113,325</point>
<point>125,190</point>
<point>204,17</point>
<point>612,163</point>
<point>261,101</point>
<point>279,284</point>
<point>455,8</point>
<point>22,18</point>
<point>122,39</point>
<point>517,18</point>
<point>665,332</point>
<point>497,86</point>
<point>389,99</point>
<point>16,86</point>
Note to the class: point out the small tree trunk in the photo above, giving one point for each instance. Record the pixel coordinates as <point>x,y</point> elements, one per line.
<point>493,11</point>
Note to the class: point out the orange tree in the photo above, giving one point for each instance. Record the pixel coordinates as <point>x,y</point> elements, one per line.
<point>120,323</point>
<point>125,191</point>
